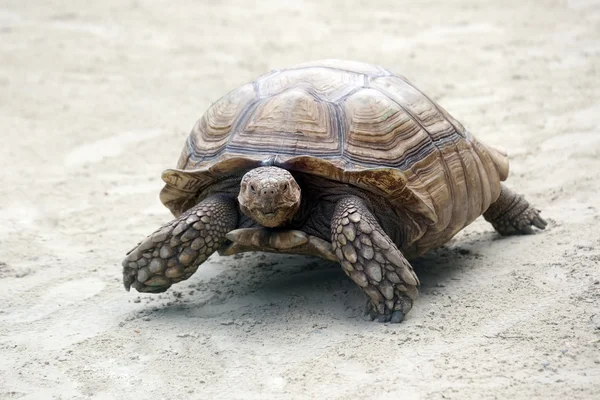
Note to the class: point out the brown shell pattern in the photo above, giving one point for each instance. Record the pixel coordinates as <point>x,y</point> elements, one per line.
<point>351,122</point>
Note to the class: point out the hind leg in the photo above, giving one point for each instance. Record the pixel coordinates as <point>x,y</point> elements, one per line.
<point>512,214</point>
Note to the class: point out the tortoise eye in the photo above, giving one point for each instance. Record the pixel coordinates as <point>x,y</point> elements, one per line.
<point>285,186</point>
<point>252,189</point>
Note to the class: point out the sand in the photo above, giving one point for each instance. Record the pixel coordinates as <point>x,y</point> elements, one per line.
<point>96,99</point>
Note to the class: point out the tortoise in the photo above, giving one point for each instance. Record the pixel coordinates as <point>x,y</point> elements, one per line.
<point>338,159</point>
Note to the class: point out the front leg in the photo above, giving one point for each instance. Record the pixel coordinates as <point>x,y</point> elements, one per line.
<point>370,258</point>
<point>174,252</point>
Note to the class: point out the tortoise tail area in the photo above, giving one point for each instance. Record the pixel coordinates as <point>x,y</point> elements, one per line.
<point>461,181</point>
<point>499,158</point>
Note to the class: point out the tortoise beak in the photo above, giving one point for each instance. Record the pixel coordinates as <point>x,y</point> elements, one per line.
<point>272,219</point>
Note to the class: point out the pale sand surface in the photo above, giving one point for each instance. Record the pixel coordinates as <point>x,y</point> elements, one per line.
<point>96,99</point>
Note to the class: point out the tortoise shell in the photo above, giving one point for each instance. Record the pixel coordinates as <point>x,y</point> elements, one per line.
<point>350,122</point>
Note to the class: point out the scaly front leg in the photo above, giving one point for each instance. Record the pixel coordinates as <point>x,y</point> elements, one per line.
<point>370,258</point>
<point>174,252</point>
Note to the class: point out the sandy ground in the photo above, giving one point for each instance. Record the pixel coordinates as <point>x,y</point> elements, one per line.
<point>96,100</point>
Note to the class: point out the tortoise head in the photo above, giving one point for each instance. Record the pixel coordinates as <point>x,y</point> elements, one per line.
<point>269,195</point>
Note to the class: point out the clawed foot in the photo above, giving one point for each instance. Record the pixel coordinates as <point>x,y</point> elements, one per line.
<point>174,252</point>
<point>524,222</point>
<point>512,214</point>
<point>382,313</point>
<point>514,223</point>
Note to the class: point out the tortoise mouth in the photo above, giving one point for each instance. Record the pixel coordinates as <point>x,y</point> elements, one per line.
<point>272,213</point>
<point>273,218</point>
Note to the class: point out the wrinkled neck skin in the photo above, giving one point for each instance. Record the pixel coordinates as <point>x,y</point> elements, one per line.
<point>269,195</point>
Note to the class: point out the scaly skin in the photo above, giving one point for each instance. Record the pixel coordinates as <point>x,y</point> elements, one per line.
<point>174,252</point>
<point>370,258</point>
<point>512,214</point>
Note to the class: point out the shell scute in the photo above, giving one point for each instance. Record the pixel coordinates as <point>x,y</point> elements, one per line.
<point>323,83</point>
<point>293,121</point>
<point>380,132</point>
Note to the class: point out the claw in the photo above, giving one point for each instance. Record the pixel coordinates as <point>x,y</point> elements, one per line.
<point>539,222</point>
<point>150,289</point>
<point>397,317</point>
<point>527,230</point>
